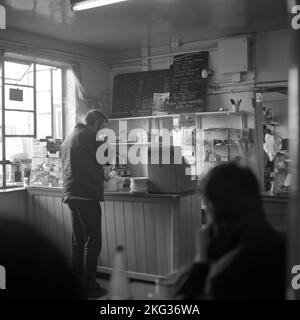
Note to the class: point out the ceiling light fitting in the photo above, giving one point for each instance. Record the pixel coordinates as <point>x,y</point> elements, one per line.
<point>2,18</point>
<point>88,4</point>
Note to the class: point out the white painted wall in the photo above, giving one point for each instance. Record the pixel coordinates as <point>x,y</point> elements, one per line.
<point>269,52</point>
<point>269,55</point>
<point>222,87</point>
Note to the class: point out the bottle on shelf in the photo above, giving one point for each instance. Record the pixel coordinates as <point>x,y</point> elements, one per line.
<point>119,284</point>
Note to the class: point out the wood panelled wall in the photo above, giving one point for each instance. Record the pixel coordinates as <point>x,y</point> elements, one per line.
<point>50,216</point>
<point>158,233</point>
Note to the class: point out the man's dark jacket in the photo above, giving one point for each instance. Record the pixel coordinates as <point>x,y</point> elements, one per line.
<point>83,176</point>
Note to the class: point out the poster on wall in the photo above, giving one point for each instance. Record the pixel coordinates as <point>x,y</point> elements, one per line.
<point>187,120</point>
<point>160,103</point>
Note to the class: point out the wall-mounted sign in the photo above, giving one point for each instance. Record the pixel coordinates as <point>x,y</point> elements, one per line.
<point>133,93</point>
<point>188,87</point>
<point>160,103</point>
<point>15,94</point>
<point>187,120</point>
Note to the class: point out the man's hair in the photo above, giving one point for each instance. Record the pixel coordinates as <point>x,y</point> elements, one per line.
<point>93,115</point>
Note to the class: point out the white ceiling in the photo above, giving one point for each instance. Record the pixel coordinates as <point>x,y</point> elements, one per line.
<point>137,23</point>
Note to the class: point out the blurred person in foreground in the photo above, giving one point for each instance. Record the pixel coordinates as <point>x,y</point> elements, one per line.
<point>34,268</point>
<point>83,179</point>
<point>240,256</point>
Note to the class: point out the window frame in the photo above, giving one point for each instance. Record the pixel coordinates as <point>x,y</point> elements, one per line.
<point>3,161</point>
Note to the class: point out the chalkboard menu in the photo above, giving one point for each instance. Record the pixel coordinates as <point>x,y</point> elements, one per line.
<point>180,89</point>
<point>133,92</point>
<point>188,87</point>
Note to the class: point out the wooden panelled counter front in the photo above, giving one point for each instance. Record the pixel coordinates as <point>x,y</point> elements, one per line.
<point>156,230</point>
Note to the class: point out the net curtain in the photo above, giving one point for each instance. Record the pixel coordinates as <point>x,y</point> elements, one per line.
<point>85,101</point>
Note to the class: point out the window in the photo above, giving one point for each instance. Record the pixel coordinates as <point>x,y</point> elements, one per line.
<point>31,107</point>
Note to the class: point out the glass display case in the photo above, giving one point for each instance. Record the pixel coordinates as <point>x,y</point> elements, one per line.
<point>220,145</point>
<point>216,137</point>
<point>46,172</point>
<point>46,166</point>
<point>205,139</point>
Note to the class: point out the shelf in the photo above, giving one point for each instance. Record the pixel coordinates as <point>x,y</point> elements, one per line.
<point>209,113</point>
<point>221,113</point>
<point>221,129</point>
<point>145,117</point>
<point>229,143</point>
<point>211,161</point>
<point>130,142</point>
<point>272,123</point>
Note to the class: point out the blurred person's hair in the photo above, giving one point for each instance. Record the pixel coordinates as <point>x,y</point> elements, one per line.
<point>233,191</point>
<point>35,268</point>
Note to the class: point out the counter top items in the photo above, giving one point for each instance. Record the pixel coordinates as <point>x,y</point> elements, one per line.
<point>53,147</point>
<point>235,104</point>
<point>14,174</point>
<point>114,183</point>
<point>46,172</point>
<point>111,185</point>
<point>18,169</point>
<point>139,185</point>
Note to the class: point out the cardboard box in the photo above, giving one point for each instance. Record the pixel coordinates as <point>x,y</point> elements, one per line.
<point>170,178</point>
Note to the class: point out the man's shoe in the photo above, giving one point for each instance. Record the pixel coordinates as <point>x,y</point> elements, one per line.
<point>95,291</point>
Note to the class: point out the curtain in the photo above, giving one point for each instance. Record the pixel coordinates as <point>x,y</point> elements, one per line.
<point>1,104</point>
<point>1,57</point>
<point>82,92</point>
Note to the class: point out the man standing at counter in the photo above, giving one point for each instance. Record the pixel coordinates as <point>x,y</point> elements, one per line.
<point>83,189</point>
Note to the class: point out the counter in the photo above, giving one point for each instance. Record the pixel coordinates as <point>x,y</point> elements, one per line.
<point>276,209</point>
<point>156,230</point>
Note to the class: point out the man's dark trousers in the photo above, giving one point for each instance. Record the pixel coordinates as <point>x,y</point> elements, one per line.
<point>87,238</point>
